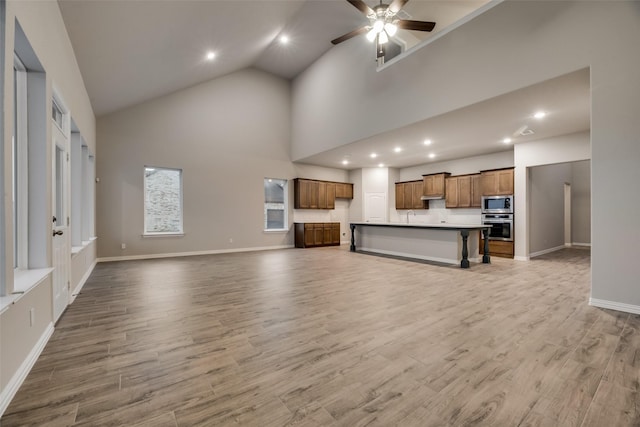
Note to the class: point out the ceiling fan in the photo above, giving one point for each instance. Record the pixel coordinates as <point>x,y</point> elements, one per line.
<point>383,23</point>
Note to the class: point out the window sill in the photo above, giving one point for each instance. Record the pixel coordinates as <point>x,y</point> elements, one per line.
<point>277,230</point>
<point>23,282</point>
<point>163,235</point>
<point>75,250</point>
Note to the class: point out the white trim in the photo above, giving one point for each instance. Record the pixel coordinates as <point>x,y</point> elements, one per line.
<point>520,258</point>
<point>442,33</point>
<point>546,251</point>
<point>18,378</point>
<point>582,245</point>
<point>619,306</point>
<point>415,256</point>
<point>182,254</point>
<point>166,234</point>
<point>84,279</point>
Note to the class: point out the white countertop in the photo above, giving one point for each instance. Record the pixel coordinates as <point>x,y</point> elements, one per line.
<point>445,225</point>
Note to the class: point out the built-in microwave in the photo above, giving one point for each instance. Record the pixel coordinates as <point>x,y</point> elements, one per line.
<point>497,204</point>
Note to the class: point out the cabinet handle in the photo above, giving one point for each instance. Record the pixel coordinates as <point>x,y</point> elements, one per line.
<point>58,233</point>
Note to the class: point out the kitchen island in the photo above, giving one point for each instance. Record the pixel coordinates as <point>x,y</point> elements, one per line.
<point>446,243</point>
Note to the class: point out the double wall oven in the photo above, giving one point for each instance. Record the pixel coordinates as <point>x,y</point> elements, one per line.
<point>497,211</point>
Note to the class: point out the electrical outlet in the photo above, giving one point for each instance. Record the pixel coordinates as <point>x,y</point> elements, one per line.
<point>32,316</point>
<point>123,246</point>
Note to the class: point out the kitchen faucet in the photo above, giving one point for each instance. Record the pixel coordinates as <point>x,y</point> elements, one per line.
<point>410,211</point>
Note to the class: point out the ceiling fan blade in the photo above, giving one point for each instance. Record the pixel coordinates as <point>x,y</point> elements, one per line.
<point>407,24</point>
<point>396,5</point>
<point>347,36</point>
<point>362,7</point>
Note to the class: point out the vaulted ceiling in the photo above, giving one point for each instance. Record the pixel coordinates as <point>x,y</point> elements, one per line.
<point>133,51</point>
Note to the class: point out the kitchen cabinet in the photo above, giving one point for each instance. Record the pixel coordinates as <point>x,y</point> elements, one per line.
<point>463,191</point>
<point>344,190</point>
<point>409,195</point>
<point>497,182</point>
<point>313,234</point>
<point>434,185</point>
<point>498,248</point>
<point>313,194</point>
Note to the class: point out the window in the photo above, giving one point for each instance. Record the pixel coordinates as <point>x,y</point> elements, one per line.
<point>275,204</point>
<point>20,165</point>
<point>57,115</point>
<point>162,201</point>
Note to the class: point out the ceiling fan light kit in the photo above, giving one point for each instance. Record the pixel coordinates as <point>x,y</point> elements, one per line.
<point>383,24</point>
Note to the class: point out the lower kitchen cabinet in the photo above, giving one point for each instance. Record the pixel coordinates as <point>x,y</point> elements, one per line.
<point>314,234</point>
<point>498,248</point>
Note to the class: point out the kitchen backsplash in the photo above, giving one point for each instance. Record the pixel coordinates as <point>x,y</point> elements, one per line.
<point>437,213</point>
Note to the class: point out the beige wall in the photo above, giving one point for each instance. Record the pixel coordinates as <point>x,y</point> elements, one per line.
<point>43,25</point>
<point>513,45</point>
<point>226,135</point>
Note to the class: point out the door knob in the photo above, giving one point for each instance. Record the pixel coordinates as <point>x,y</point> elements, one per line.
<point>58,233</point>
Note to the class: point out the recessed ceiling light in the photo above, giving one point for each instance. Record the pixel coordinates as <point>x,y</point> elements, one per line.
<point>540,115</point>
<point>432,155</point>
<point>345,162</point>
<point>381,165</point>
<point>397,149</point>
<point>374,155</point>
<point>506,140</point>
<point>427,142</point>
<point>210,56</point>
<point>284,39</point>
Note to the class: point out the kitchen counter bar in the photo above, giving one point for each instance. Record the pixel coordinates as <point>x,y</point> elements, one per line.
<point>444,242</point>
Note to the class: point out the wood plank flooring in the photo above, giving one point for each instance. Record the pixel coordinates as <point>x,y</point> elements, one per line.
<point>325,337</point>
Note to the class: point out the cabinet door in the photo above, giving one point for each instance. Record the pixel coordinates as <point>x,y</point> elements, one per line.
<point>309,236</point>
<point>318,234</point>
<point>348,191</point>
<point>314,189</point>
<point>417,186</point>
<point>408,195</point>
<point>399,196</point>
<point>464,191</point>
<point>497,183</point>
<point>505,182</point>
<point>331,195</point>
<point>335,233</point>
<point>322,195</point>
<point>476,191</point>
<point>303,194</point>
<point>434,185</point>
<point>326,234</point>
<point>451,200</point>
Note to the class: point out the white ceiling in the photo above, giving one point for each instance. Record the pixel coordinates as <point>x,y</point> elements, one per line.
<point>133,51</point>
<point>136,50</point>
<point>477,129</point>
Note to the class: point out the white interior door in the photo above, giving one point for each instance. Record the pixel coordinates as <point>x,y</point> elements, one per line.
<point>375,207</point>
<point>61,232</point>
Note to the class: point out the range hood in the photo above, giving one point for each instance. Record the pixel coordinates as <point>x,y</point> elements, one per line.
<point>431,198</point>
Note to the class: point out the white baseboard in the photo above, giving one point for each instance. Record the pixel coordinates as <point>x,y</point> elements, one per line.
<point>78,288</point>
<point>181,254</point>
<point>619,306</point>
<point>18,378</point>
<point>546,251</point>
<point>583,245</point>
<point>521,258</point>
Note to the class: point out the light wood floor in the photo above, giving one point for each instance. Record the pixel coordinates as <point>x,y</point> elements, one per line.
<point>319,337</point>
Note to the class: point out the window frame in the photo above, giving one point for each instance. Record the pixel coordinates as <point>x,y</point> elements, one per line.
<point>146,233</point>
<point>20,168</point>
<point>285,223</point>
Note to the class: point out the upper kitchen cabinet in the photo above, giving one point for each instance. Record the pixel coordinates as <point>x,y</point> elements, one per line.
<point>434,185</point>
<point>497,182</point>
<point>344,190</point>
<point>409,195</point>
<point>314,194</point>
<point>463,191</point>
